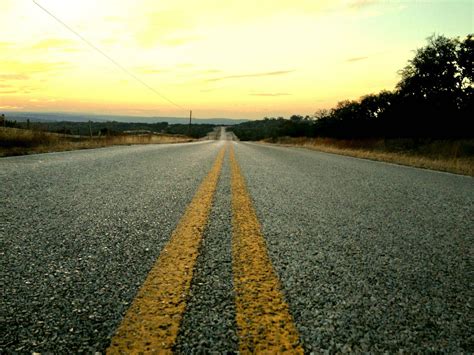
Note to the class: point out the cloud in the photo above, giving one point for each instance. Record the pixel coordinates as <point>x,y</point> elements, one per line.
<point>160,26</point>
<point>270,94</point>
<point>356,59</point>
<point>150,70</point>
<point>21,70</point>
<point>50,100</point>
<point>14,77</point>
<point>110,41</point>
<point>255,75</point>
<point>11,108</point>
<point>360,4</point>
<point>6,5</point>
<point>10,89</point>
<point>178,41</point>
<point>56,43</point>
<point>114,19</point>
<point>373,8</point>
<point>5,45</point>
<point>183,67</point>
<point>210,71</point>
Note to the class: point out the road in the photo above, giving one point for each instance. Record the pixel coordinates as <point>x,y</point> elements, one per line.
<point>347,254</point>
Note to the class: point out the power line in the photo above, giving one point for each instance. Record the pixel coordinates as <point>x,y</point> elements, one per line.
<point>117,64</point>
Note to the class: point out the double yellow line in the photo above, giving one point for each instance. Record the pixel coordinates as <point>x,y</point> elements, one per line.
<point>152,322</point>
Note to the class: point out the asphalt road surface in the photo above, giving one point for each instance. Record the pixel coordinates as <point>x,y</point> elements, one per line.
<point>370,256</point>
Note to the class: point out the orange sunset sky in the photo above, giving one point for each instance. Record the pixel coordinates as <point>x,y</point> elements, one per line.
<point>236,59</point>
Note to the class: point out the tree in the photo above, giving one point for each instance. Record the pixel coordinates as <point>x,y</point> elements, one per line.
<point>296,118</point>
<point>321,114</point>
<point>465,59</point>
<point>436,85</point>
<point>434,71</point>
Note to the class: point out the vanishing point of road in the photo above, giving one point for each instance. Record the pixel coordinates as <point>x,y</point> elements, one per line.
<point>223,246</point>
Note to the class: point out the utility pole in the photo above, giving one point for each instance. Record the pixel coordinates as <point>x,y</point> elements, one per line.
<point>190,119</point>
<point>90,129</point>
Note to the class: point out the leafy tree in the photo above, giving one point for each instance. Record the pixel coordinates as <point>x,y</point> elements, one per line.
<point>296,118</point>
<point>436,86</point>
<point>433,72</point>
<point>465,59</point>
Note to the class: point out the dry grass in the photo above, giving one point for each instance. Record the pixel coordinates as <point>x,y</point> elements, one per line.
<point>450,156</point>
<point>21,141</point>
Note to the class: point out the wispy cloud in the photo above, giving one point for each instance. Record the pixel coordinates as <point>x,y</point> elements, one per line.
<point>14,77</point>
<point>114,19</point>
<point>254,75</point>
<point>188,68</point>
<point>11,107</point>
<point>47,100</point>
<point>360,4</point>
<point>178,41</point>
<point>56,43</point>
<point>21,70</point>
<point>356,59</point>
<point>5,45</point>
<point>6,89</point>
<point>270,94</point>
<point>6,92</point>
<point>210,71</point>
<point>374,8</point>
<point>185,65</point>
<point>151,70</point>
<point>164,26</point>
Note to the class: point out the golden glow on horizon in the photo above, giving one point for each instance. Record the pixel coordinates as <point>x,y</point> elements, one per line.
<point>241,59</point>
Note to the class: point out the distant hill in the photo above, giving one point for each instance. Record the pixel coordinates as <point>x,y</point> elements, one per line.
<point>84,117</point>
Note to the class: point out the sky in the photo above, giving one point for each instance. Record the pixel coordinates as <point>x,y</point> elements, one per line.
<point>233,58</point>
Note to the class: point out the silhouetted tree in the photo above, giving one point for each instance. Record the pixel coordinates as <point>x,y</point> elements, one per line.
<point>465,59</point>
<point>435,86</point>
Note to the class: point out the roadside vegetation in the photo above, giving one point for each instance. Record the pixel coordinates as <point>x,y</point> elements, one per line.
<point>15,141</point>
<point>425,121</point>
<point>26,137</point>
<point>455,156</point>
<point>112,128</point>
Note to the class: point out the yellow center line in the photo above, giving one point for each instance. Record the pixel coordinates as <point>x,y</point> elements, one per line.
<point>152,322</point>
<point>263,319</point>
